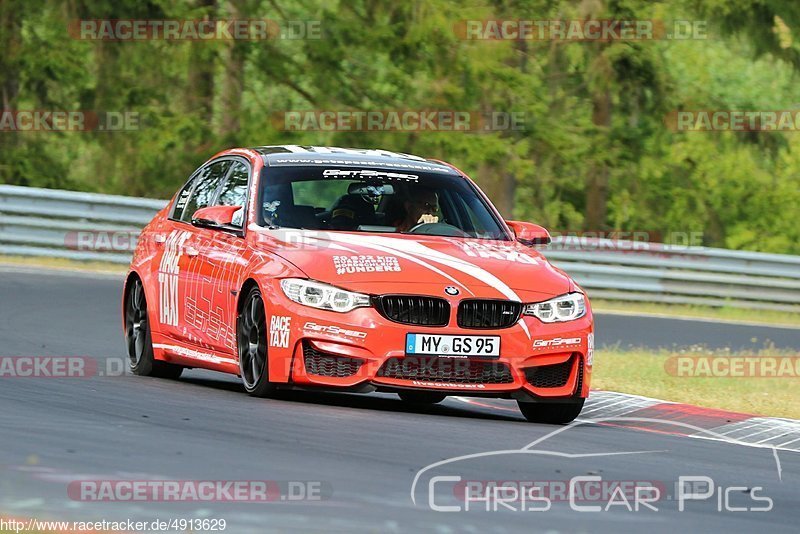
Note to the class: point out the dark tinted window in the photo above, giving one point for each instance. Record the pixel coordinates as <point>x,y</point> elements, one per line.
<point>183,196</point>
<point>207,182</point>
<point>376,200</point>
<point>234,191</point>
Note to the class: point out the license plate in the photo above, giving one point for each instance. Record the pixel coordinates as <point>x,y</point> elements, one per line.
<point>453,346</point>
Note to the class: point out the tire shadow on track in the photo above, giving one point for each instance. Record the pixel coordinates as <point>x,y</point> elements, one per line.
<point>373,402</point>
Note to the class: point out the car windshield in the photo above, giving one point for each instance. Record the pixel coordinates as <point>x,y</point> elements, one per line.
<point>356,199</point>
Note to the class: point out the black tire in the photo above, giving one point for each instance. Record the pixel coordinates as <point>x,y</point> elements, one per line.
<point>422,397</point>
<point>551,413</point>
<point>138,339</point>
<point>251,340</point>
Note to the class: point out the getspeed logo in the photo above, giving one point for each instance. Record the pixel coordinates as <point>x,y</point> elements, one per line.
<point>556,342</point>
<point>338,173</point>
<point>334,330</point>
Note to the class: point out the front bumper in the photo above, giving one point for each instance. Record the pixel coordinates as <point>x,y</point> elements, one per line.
<point>363,351</point>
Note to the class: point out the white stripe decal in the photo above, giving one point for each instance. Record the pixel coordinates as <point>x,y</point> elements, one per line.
<point>412,247</point>
<point>524,326</point>
<point>335,246</point>
<point>305,237</point>
<point>194,354</point>
<point>413,251</point>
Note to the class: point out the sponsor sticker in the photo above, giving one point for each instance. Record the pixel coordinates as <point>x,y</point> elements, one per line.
<point>279,331</point>
<point>556,342</point>
<point>168,273</point>
<point>334,330</point>
<point>447,385</point>
<point>497,252</point>
<point>283,162</point>
<point>366,264</point>
<point>365,173</point>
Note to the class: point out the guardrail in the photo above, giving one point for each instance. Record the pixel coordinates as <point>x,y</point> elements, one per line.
<point>681,275</point>
<point>47,222</point>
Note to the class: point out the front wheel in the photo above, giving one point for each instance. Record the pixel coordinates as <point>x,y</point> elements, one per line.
<point>138,339</point>
<point>551,413</point>
<point>251,338</point>
<point>422,397</point>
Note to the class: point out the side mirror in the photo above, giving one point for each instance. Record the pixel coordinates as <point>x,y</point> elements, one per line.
<point>529,234</point>
<point>215,217</point>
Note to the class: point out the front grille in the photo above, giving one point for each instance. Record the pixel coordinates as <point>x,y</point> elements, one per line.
<point>324,364</point>
<point>549,376</point>
<point>488,313</point>
<point>414,309</point>
<point>455,371</point>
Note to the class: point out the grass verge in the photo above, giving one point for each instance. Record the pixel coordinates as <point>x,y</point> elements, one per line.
<point>652,374</point>
<point>59,263</point>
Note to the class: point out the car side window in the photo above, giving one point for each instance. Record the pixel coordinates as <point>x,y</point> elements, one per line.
<point>185,193</point>
<point>234,191</point>
<point>206,186</point>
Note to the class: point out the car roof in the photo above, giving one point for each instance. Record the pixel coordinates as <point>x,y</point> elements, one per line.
<point>297,155</point>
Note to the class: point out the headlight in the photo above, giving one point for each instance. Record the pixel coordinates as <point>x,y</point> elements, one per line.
<point>322,296</point>
<point>559,309</point>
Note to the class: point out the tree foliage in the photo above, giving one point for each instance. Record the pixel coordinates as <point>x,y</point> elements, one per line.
<point>595,152</point>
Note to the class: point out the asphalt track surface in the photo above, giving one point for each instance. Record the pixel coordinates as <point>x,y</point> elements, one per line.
<point>363,450</point>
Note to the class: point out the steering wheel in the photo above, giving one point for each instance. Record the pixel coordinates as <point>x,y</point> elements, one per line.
<point>440,229</point>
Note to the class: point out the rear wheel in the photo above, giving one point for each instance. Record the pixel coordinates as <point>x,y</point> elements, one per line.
<point>251,338</point>
<point>552,413</point>
<point>422,397</point>
<point>138,340</point>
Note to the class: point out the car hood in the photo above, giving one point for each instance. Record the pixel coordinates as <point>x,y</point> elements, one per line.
<point>385,263</point>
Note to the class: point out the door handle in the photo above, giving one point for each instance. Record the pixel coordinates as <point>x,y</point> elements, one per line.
<point>160,239</point>
<point>191,251</point>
